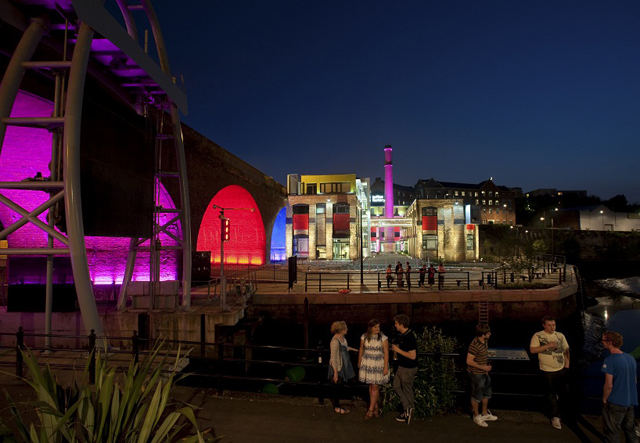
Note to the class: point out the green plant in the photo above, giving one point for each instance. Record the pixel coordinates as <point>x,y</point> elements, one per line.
<point>133,407</point>
<point>436,380</point>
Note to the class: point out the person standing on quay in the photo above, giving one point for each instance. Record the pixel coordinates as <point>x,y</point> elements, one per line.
<point>389,276</point>
<point>340,368</point>
<point>423,271</point>
<point>400,273</point>
<point>619,394</point>
<point>441,272</point>
<point>478,367</point>
<point>408,276</point>
<point>373,361</point>
<point>431,277</point>
<point>553,356</point>
<point>406,348</point>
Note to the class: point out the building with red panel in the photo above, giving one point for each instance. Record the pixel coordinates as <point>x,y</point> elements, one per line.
<point>441,229</point>
<point>490,203</point>
<point>327,217</point>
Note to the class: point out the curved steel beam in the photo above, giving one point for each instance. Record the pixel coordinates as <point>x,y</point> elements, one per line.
<point>73,197</point>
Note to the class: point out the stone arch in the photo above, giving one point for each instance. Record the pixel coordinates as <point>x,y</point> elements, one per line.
<point>247,244</point>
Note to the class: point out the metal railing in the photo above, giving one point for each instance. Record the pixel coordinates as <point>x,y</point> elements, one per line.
<point>241,366</point>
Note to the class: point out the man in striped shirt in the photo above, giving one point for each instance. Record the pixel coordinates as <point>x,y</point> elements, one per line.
<point>478,367</point>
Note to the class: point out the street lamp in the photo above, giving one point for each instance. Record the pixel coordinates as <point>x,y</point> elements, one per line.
<point>602,218</point>
<point>225,235</point>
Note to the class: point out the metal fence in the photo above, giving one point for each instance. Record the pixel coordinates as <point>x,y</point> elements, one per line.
<point>228,366</point>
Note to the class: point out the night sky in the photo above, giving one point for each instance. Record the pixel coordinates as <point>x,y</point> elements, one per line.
<point>536,94</point>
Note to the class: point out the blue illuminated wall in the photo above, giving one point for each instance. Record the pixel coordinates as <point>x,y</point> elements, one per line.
<point>278,238</point>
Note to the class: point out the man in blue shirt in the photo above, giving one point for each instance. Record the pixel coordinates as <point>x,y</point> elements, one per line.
<point>620,393</point>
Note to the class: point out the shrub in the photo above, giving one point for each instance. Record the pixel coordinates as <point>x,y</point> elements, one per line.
<point>130,408</point>
<point>436,380</point>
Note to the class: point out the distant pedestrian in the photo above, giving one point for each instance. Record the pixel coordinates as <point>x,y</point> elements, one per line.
<point>408,274</point>
<point>478,367</point>
<point>431,276</point>
<point>373,364</point>
<point>389,276</point>
<point>441,272</point>
<point>400,277</point>
<point>423,272</point>
<point>553,356</point>
<point>398,266</point>
<point>406,348</point>
<point>620,393</point>
<point>340,368</point>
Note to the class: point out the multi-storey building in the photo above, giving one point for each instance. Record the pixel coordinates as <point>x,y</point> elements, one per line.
<point>441,229</point>
<point>327,216</point>
<point>488,202</point>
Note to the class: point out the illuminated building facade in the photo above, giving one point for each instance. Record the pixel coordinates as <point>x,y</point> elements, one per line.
<point>441,229</point>
<point>489,203</point>
<point>327,217</point>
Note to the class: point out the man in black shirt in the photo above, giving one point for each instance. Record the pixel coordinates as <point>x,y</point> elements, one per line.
<point>406,350</point>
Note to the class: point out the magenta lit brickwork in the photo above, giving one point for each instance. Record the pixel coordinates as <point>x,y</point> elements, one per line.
<point>26,152</point>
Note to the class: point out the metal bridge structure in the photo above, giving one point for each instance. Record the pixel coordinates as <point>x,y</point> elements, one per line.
<point>66,42</point>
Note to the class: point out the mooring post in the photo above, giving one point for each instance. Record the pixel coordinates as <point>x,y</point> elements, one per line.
<point>320,376</point>
<point>19,347</point>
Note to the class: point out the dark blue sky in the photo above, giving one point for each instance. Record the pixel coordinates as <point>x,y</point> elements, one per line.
<point>532,93</point>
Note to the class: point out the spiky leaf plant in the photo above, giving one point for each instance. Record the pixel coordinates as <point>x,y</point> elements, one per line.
<point>132,407</point>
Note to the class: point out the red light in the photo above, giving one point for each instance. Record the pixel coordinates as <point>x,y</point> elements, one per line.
<point>226,229</point>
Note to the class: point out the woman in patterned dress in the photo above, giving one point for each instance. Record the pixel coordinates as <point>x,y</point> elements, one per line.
<point>373,361</point>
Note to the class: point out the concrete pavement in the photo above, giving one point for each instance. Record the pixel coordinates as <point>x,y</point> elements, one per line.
<point>242,417</point>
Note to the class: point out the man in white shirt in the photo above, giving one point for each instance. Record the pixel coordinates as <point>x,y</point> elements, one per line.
<point>553,355</point>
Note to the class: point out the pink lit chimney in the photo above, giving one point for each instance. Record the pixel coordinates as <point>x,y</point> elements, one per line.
<point>389,239</point>
<point>388,182</point>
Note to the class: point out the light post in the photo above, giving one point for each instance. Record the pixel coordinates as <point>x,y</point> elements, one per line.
<point>225,235</point>
<point>602,218</point>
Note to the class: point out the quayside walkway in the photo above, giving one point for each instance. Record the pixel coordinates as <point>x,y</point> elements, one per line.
<point>262,418</point>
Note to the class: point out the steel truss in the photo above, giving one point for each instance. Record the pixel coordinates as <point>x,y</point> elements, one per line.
<point>63,184</point>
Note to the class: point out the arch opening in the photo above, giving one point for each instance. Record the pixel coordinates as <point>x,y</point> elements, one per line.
<point>247,242</point>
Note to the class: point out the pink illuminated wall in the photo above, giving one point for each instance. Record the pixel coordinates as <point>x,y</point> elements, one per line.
<point>247,244</point>
<point>27,151</point>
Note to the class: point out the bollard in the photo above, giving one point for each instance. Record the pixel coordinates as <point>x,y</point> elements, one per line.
<point>220,365</point>
<point>19,347</point>
<point>320,375</point>
<point>135,347</point>
<point>92,357</point>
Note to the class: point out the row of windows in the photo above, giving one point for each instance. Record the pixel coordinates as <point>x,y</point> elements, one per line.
<point>430,242</point>
<point>491,202</point>
<point>321,208</point>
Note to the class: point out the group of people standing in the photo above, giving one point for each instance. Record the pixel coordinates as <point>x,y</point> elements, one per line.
<point>373,365</point>
<point>401,273</point>
<point>619,395</point>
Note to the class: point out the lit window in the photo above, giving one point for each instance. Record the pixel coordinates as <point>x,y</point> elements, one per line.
<point>496,194</point>
<point>476,194</point>
<point>483,193</point>
<point>490,202</point>
<point>463,193</point>
<point>455,193</point>
<point>484,202</point>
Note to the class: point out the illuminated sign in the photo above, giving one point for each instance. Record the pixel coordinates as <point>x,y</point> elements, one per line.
<point>377,199</point>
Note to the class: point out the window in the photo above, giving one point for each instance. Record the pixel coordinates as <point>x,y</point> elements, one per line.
<point>463,193</point>
<point>469,242</point>
<point>496,194</point>
<point>300,209</point>
<point>321,208</point>
<point>455,193</point>
<point>490,211</point>
<point>476,194</point>
<point>430,243</point>
<point>490,193</point>
<point>429,211</point>
<point>312,188</point>
<point>341,208</point>
<point>490,202</point>
<point>477,201</point>
<point>333,188</point>
<point>484,202</point>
